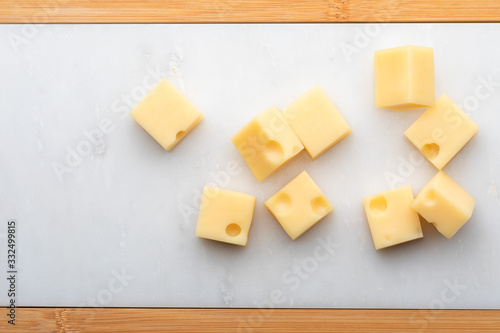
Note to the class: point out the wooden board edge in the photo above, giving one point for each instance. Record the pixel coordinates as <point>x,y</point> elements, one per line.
<point>246,11</point>
<point>48,319</point>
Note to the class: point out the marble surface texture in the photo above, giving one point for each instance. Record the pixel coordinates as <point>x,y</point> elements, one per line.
<point>106,217</point>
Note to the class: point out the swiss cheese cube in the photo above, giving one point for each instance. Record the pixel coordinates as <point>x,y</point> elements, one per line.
<point>166,114</point>
<point>391,218</point>
<point>404,77</point>
<point>441,131</point>
<point>225,215</point>
<point>267,142</point>
<point>316,121</point>
<point>299,205</point>
<point>445,204</point>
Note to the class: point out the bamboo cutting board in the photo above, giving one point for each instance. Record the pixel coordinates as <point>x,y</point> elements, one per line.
<point>224,11</point>
<point>249,320</point>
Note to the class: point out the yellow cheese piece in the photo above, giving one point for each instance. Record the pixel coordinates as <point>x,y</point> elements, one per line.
<point>299,205</point>
<point>391,219</point>
<point>166,114</point>
<point>225,216</point>
<point>445,204</point>
<point>267,142</point>
<point>441,131</point>
<point>316,121</point>
<point>404,77</point>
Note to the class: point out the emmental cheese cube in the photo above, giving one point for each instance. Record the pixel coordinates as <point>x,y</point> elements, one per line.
<point>299,205</point>
<point>391,218</point>
<point>316,121</point>
<point>166,114</point>
<point>404,77</point>
<point>441,131</point>
<point>445,204</point>
<point>225,215</point>
<point>267,142</point>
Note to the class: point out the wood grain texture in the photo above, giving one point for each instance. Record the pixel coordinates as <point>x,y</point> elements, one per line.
<point>251,320</point>
<point>227,11</point>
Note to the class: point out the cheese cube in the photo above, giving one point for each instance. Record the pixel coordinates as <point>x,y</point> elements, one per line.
<point>445,204</point>
<point>225,216</point>
<point>316,121</point>
<point>267,142</point>
<point>299,205</point>
<point>390,217</point>
<point>404,77</point>
<point>441,131</point>
<point>166,114</point>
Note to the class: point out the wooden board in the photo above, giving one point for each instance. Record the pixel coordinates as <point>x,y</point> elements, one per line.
<point>251,320</point>
<point>127,11</point>
<point>248,320</point>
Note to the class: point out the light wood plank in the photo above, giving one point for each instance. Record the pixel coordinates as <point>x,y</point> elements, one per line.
<point>128,11</point>
<point>251,320</point>
<point>424,11</point>
<point>172,11</point>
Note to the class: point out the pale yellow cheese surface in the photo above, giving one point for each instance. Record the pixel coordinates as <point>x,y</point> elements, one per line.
<point>299,205</point>
<point>391,218</point>
<point>445,204</point>
<point>441,131</point>
<point>166,114</point>
<point>404,77</point>
<point>267,142</point>
<point>225,215</point>
<point>316,121</point>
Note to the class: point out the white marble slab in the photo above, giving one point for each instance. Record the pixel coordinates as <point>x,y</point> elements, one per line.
<point>116,228</point>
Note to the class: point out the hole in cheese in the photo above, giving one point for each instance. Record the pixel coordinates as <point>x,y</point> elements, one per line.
<point>179,135</point>
<point>319,206</point>
<point>378,205</point>
<point>282,203</point>
<point>430,198</point>
<point>233,230</point>
<point>430,150</point>
<point>274,152</point>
